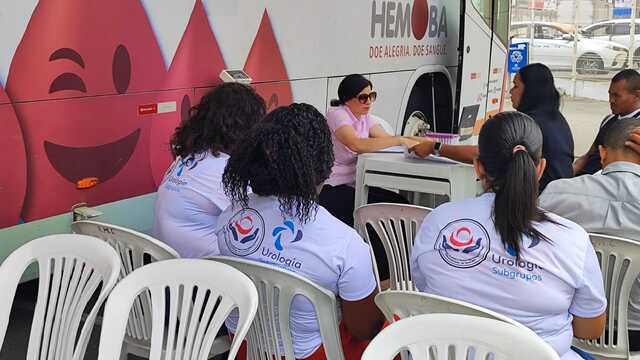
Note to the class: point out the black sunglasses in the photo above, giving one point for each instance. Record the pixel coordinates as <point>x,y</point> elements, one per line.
<point>362,98</point>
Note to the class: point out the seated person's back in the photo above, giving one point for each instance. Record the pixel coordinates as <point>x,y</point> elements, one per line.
<point>606,203</point>
<point>190,197</point>
<point>285,161</point>
<point>501,252</point>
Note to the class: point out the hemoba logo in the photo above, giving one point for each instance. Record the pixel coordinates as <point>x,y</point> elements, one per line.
<point>399,19</point>
<point>408,20</point>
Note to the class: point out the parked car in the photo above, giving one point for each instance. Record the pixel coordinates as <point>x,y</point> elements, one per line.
<point>618,31</point>
<point>553,46</point>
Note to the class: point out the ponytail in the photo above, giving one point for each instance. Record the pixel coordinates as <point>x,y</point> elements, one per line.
<point>510,150</point>
<point>336,102</point>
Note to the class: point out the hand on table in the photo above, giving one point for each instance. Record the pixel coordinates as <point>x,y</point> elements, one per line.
<point>423,149</point>
<point>409,141</point>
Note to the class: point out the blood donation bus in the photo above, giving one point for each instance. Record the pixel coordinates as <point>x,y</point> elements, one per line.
<point>91,90</point>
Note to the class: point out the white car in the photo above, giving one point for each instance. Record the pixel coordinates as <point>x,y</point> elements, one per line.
<point>553,46</point>
<point>617,31</point>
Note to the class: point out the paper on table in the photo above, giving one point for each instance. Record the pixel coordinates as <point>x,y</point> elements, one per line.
<point>440,159</point>
<point>393,149</point>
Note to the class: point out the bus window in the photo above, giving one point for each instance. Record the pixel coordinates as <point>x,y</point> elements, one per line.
<point>502,20</point>
<point>501,15</point>
<point>484,8</point>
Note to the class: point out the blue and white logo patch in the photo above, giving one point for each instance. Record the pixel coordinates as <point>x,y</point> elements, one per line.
<point>463,243</point>
<point>244,232</point>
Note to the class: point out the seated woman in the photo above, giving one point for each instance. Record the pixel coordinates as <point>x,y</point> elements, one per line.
<point>285,161</point>
<point>502,252</point>
<point>190,197</point>
<point>533,93</point>
<point>354,131</point>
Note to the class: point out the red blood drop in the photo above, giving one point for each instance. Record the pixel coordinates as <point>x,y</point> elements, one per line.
<point>196,64</point>
<point>419,18</point>
<point>265,63</point>
<point>13,160</point>
<point>76,138</point>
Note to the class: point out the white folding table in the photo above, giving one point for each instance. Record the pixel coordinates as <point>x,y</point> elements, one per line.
<point>393,170</point>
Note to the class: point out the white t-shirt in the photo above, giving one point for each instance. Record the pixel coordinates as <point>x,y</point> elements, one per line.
<point>459,254</point>
<point>189,201</point>
<point>324,250</point>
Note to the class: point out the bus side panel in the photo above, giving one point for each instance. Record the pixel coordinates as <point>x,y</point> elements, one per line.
<point>311,91</point>
<point>68,139</point>
<point>391,88</point>
<point>497,78</point>
<point>476,64</point>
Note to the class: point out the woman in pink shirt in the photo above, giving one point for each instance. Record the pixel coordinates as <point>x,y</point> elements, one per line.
<point>354,131</point>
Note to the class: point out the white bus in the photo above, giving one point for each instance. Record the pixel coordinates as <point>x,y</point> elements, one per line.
<point>91,90</point>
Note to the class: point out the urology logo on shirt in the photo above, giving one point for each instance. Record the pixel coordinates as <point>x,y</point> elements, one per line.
<point>189,163</point>
<point>244,232</point>
<point>463,243</point>
<point>288,230</point>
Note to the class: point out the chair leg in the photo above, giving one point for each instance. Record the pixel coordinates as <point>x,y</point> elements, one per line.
<point>124,354</point>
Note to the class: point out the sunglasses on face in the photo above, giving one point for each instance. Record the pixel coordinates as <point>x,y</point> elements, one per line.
<point>362,98</point>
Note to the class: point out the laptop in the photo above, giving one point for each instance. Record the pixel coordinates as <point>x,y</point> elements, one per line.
<point>467,121</point>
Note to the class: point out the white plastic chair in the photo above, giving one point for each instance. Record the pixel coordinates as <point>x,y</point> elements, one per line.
<point>71,269</point>
<point>276,289</point>
<point>455,336</point>
<point>620,265</point>
<point>135,248</point>
<point>404,304</point>
<point>396,225</point>
<point>200,294</point>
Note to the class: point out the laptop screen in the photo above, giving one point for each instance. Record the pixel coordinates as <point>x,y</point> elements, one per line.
<point>468,121</point>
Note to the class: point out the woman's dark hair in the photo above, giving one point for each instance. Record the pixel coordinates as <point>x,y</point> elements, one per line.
<point>350,87</point>
<point>510,149</point>
<point>540,91</point>
<point>219,121</point>
<point>287,155</point>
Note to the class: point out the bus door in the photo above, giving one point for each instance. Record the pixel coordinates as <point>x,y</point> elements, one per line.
<point>479,79</point>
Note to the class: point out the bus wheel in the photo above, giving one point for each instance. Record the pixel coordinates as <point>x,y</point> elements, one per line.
<point>416,125</point>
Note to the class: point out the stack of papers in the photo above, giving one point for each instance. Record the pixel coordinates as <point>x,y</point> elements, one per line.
<point>440,159</point>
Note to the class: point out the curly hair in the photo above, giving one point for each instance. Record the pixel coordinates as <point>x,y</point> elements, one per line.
<point>219,121</point>
<point>288,155</point>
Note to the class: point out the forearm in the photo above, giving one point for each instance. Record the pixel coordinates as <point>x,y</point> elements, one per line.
<point>462,153</point>
<point>367,145</point>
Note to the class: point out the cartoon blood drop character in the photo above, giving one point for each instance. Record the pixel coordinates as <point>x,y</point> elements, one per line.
<point>102,59</point>
<point>13,159</point>
<point>265,63</point>
<point>197,63</point>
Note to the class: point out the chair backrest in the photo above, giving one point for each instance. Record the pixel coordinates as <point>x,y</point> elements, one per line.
<point>134,248</point>
<point>71,268</point>
<point>455,336</point>
<point>190,299</point>
<point>276,289</point>
<point>396,225</point>
<point>620,265</point>
<point>396,304</point>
